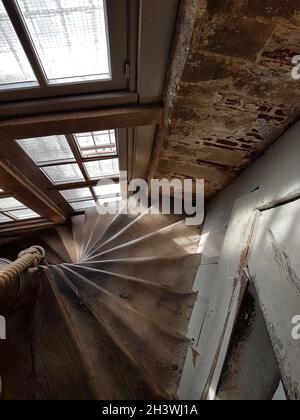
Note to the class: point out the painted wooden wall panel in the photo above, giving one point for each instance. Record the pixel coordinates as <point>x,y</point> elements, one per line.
<point>213,244</point>
<point>204,284</point>
<point>274,177</point>
<point>225,300</point>
<point>275,268</point>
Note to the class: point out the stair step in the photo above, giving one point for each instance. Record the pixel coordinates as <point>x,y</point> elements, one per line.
<point>56,247</point>
<point>66,236</point>
<point>143,225</point>
<point>167,308</point>
<point>158,354</point>
<point>117,223</point>
<point>53,337</point>
<point>112,316</point>
<point>78,234</point>
<point>96,226</point>
<point>177,272</point>
<point>176,239</point>
<point>111,371</point>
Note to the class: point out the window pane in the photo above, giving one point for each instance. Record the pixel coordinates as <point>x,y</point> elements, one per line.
<point>47,149</point>
<point>63,174</point>
<point>107,190</point>
<point>24,214</point>
<point>83,205</point>
<point>100,143</point>
<point>76,194</point>
<point>102,201</point>
<point>4,219</point>
<point>102,168</point>
<point>10,203</point>
<point>15,70</point>
<point>70,37</point>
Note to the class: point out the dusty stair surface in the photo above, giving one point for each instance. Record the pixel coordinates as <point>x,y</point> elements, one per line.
<point>114,306</point>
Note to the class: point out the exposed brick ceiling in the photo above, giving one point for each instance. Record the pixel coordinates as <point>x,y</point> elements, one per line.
<point>230,92</point>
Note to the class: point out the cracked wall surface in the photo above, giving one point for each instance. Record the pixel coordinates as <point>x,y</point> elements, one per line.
<point>230,93</point>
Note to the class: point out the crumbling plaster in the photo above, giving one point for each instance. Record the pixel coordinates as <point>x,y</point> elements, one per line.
<point>230,92</point>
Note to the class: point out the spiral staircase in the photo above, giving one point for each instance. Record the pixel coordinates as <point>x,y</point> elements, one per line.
<point>110,318</point>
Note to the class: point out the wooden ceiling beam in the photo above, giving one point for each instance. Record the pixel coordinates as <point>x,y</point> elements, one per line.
<point>80,122</point>
<point>24,227</point>
<point>14,182</point>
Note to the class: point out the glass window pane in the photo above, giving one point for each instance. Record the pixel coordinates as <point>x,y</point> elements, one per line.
<point>70,37</point>
<point>76,194</point>
<point>101,168</point>
<point>24,214</point>
<point>107,190</point>
<point>83,205</point>
<point>4,219</point>
<point>63,174</point>
<point>102,201</point>
<point>10,203</point>
<point>101,143</point>
<point>15,70</point>
<point>47,149</point>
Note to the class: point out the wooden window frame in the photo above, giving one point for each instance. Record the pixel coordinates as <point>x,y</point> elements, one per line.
<point>80,161</point>
<point>89,111</point>
<point>121,15</point>
<point>22,178</point>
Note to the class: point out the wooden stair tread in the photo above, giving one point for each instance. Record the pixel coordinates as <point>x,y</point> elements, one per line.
<point>168,309</point>
<point>142,225</point>
<point>65,234</point>
<point>138,340</point>
<point>183,269</point>
<point>168,241</point>
<point>113,312</point>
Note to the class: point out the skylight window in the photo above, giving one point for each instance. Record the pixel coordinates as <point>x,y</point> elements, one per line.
<point>15,70</point>
<point>79,198</point>
<point>70,38</point>
<point>77,194</point>
<point>23,214</point>
<point>4,219</point>
<point>107,190</point>
<point>62,174</point>
<point>83,205</point>
<point>99,143</point>
<point>63,48</point>
<point>10,203</point>
<point>101,168</point>
<point>107,193</point>
<point>63,161</point>
<point>107,200</point>
<point>12,210</point>
<point>47,149</point>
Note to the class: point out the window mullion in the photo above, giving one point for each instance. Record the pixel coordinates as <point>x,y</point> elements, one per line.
<point>82,184</point>
<point>100,157</point>
<point>24,38</point>
<point>55,163</point>
<point>73,145</point>
<point>2,213</point>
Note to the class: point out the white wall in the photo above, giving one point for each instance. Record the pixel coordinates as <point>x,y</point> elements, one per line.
<point>272,179</point>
